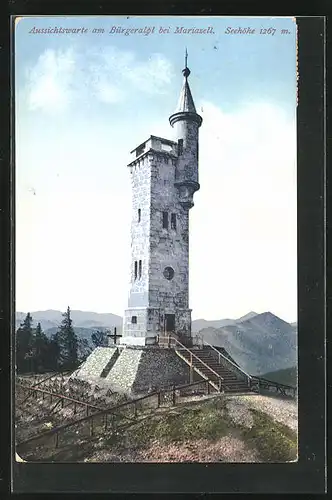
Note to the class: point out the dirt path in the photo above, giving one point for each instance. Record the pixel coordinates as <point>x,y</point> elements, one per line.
<point>281,410</point>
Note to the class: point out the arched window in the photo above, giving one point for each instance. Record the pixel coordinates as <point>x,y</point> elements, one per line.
<point>165,220</point>
<point>135,269</point>
<point>173,221</point>
<point>139,215</point>
<point>140,269</point>
<point>180,147</point>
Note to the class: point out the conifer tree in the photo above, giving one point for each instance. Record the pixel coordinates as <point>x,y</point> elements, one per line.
<point>24,345</point>
<point>40,348</point>
<point>52,354</point>
<point>67,343</point>
<point>99,338</point>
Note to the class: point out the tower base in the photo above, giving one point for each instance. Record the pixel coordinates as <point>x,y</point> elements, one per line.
<point>134,370</point>
<point>144,325</point>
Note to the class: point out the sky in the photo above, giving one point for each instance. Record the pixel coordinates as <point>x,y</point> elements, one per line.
<point>85,100</point>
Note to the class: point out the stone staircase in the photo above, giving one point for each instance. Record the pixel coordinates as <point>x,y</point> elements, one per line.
<point>211,365</point>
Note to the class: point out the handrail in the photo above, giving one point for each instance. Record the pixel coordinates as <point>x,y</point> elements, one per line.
<point>273,382</point>
<point>192,354</point>
<point>227,359</point>
<point>77,401</point>
<point>61,374</point>
<point>103,412</point>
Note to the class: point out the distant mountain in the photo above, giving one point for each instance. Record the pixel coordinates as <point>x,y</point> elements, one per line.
<point>261,344</point>
<point>288,376</point>
<point>85,319</point>
<point>199,324</point>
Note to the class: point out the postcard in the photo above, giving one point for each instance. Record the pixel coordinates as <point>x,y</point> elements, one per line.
<point>156,239</point>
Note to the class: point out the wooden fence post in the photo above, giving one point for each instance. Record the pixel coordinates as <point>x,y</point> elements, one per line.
<point>174,396</point>
<point>87,410</point>
<point>159,399</point>
<point>91,427</point>
<point>56,439</point>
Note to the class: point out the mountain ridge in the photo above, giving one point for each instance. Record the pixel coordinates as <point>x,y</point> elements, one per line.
<point>259,343</point>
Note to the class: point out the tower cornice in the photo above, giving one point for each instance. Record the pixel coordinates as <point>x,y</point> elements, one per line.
<point>153,153</point>
<point>185,115</point>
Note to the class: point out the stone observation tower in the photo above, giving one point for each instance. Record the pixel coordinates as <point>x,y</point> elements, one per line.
<point>156,350</point>
<point>164,178</point>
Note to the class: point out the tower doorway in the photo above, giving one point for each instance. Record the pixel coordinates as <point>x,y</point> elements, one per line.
<point>169,323</point>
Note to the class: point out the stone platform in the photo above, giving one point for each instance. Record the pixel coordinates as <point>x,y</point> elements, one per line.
<point>133,370</point>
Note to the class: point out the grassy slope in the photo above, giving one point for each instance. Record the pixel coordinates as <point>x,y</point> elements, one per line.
<point>273,442</point>
<point>208,420</point>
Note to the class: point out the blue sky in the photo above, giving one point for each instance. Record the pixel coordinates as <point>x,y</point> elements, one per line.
<point>84,101</point>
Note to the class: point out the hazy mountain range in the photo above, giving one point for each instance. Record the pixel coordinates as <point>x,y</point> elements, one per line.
<point>259,343</point>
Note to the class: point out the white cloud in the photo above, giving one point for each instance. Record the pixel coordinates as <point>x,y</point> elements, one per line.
<point>50,81</point>
<point>61,77</point>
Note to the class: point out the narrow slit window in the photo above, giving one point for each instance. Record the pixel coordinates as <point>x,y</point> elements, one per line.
<point>139,215</point>
<point>165,220</point>
<point>135,269</point>
<point>140,269</point>
<point>180,147</point>
<point>173,221</point>
<point>134,319</point>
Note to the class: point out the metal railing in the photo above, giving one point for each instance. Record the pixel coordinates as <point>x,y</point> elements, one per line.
<point>157,399</point>
<point>263,383</point>
<point>192,357</point>
<point>61,397</point>
<point>230,362</point>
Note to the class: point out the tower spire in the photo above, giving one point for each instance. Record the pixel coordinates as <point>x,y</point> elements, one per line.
<point>186,70</point>
<point>186,102</point>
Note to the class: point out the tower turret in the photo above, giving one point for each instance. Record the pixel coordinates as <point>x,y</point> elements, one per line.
<point>186,122</point>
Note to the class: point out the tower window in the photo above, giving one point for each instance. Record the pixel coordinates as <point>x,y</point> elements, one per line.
<point>173,221</point>
<point>180,147</point>
<point>140,269</point>
<point>165,220</point>
<point>135,269</point>
<point>139,215</point>
<point>168,273</point>
<point>134,319</point>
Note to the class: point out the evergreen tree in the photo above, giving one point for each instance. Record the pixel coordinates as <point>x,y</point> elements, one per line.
<point>67,343</point>
<point>52,354</point>
<point>99,338</point>
<point>40,348</point>
<point>83,349</point>
<point>24,345</point>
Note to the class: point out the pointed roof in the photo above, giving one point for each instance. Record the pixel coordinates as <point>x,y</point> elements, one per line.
<point>186,102</point>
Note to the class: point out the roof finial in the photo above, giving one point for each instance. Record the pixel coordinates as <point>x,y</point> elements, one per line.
<point>186,70</point>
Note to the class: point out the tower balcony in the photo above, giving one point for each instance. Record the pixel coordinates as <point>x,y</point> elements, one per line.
<point>186,190</point>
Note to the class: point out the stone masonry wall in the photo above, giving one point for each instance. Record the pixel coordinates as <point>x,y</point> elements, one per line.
<point>95,363</point>
<point>187,168</point>
<point>169,247</point>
